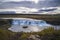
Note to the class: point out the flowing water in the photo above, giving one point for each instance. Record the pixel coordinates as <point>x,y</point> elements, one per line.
<point>28,25</point>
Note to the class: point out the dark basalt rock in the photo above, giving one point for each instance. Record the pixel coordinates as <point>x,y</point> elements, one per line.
<point>25,26</point>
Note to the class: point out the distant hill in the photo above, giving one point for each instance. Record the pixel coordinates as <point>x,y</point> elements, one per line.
<point>8,12</point>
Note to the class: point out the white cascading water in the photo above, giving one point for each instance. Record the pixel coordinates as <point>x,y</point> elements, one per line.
<point>28,25</point>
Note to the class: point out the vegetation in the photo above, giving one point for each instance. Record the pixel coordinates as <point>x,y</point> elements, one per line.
<point>50,34</point>
<point>46,34</point>
<point>5,24</point>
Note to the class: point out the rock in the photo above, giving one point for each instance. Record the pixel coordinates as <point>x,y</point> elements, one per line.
<point>34,37</point>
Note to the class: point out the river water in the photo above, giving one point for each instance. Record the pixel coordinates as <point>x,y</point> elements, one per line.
<point>28,25</point>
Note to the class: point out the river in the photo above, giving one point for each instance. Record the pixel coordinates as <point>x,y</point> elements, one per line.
<point>29,25</point>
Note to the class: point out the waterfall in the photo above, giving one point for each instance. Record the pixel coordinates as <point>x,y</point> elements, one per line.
<point>28,25</point>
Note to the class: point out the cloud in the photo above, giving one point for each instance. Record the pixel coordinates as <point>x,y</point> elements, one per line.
<point>29,3</point>
<point>25,0</point>
<point>20,10</point>
<point>36,1</point>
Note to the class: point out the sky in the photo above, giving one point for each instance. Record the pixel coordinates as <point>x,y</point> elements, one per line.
<point>21,0</point>
<point>36,1</point>
<point>15,5</point>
